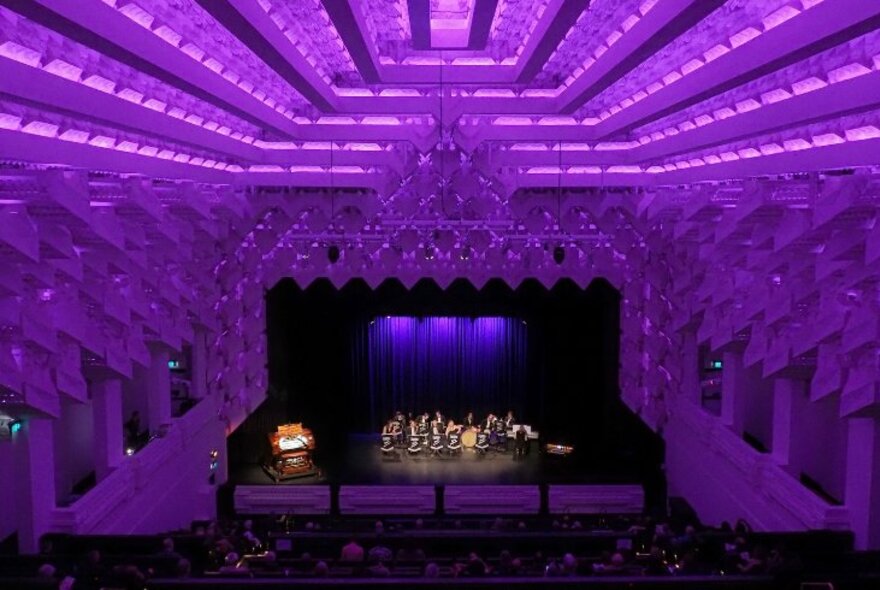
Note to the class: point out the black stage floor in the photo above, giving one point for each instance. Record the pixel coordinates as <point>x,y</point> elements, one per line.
<point>363,463</point>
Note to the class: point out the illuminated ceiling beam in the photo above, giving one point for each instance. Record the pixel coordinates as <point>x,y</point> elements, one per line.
<point>350,30</point>
<point>563,20</point>
<point>817,29</point>
<point>251,24</point>
<point>844,155</point>
<point>480,70</point>
<point>836,100</point>
<point>663,24</point>
<point>17,146</point>
<point>102,28</point>
<point>83,102</point>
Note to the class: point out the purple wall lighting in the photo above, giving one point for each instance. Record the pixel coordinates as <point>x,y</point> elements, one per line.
<point>162,164</point>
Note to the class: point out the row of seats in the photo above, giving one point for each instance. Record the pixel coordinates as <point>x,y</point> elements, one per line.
<point>606,550</point>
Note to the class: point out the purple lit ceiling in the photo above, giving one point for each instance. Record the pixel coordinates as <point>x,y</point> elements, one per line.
<point>162,162</point>
<point>575,92</point>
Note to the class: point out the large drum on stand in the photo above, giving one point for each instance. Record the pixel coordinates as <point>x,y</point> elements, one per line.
<point>469,439</point>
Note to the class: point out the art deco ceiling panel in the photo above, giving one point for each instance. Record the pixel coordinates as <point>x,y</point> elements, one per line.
<point>355,92</point>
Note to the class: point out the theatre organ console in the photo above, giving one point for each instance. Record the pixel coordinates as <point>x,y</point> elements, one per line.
<point>291,452</point>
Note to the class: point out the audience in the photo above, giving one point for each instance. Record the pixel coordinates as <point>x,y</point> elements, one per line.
<point>352,552</point>
<point>410,553</point>
<point>46,572</point>
<point>432,570</point>
<point>644,548</point>
<point>168,549</point>
<point>379,553</point>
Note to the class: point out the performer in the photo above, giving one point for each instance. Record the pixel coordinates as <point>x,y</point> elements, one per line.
<point>400,423</point>
<point>489,423</point>
<point>521,442</point>
<point>413,428</point>
<point>391,427</point>
<point>509,420</point>
<point>424,425</point>
<point>469,421</point>
<point>452,427</point>
<point>438,418</point>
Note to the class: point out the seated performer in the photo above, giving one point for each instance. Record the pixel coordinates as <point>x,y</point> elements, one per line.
<point>399,423</point>
<point>388,434</point>
<point>500,434</point>
<point>436,443</point>
<point>509,420</point>
<point>488,425</point>
<point>469,421</point>
<point>482,441</point>
<point>415,439</point>
<point>453,441</point>
<point>390,427</point>
<point>424,425</point>
<point>438,417</point>
<point>452,427</point>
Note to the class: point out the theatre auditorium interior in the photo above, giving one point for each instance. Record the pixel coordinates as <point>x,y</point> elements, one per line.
<point>430,293</point>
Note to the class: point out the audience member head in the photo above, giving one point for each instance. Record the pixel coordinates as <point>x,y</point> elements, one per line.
<point>379,527</point>
<point>321,569</point>
<point>168,545</point>
<point>46,571</point>
<point>420,524</point>
<point>432,570</point>
<point>569,564</point>
<point>184,568</point>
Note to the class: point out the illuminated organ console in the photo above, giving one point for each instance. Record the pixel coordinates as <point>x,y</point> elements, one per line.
<point>291,447</point>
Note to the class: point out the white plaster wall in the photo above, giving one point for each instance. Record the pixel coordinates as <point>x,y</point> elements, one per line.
<point>74,434</point>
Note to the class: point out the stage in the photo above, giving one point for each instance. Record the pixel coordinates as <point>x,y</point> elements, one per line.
<point>362,463</point>
<point>368,482</point>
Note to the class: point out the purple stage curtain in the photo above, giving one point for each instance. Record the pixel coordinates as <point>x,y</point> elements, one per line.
<point>451,364</point>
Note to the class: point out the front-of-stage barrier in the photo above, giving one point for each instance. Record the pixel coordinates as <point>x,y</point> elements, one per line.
<point>422,500</point>
<point>281,499</point>
<point>509,499</point>
<point>387,500</point>
<point>596,499</point>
